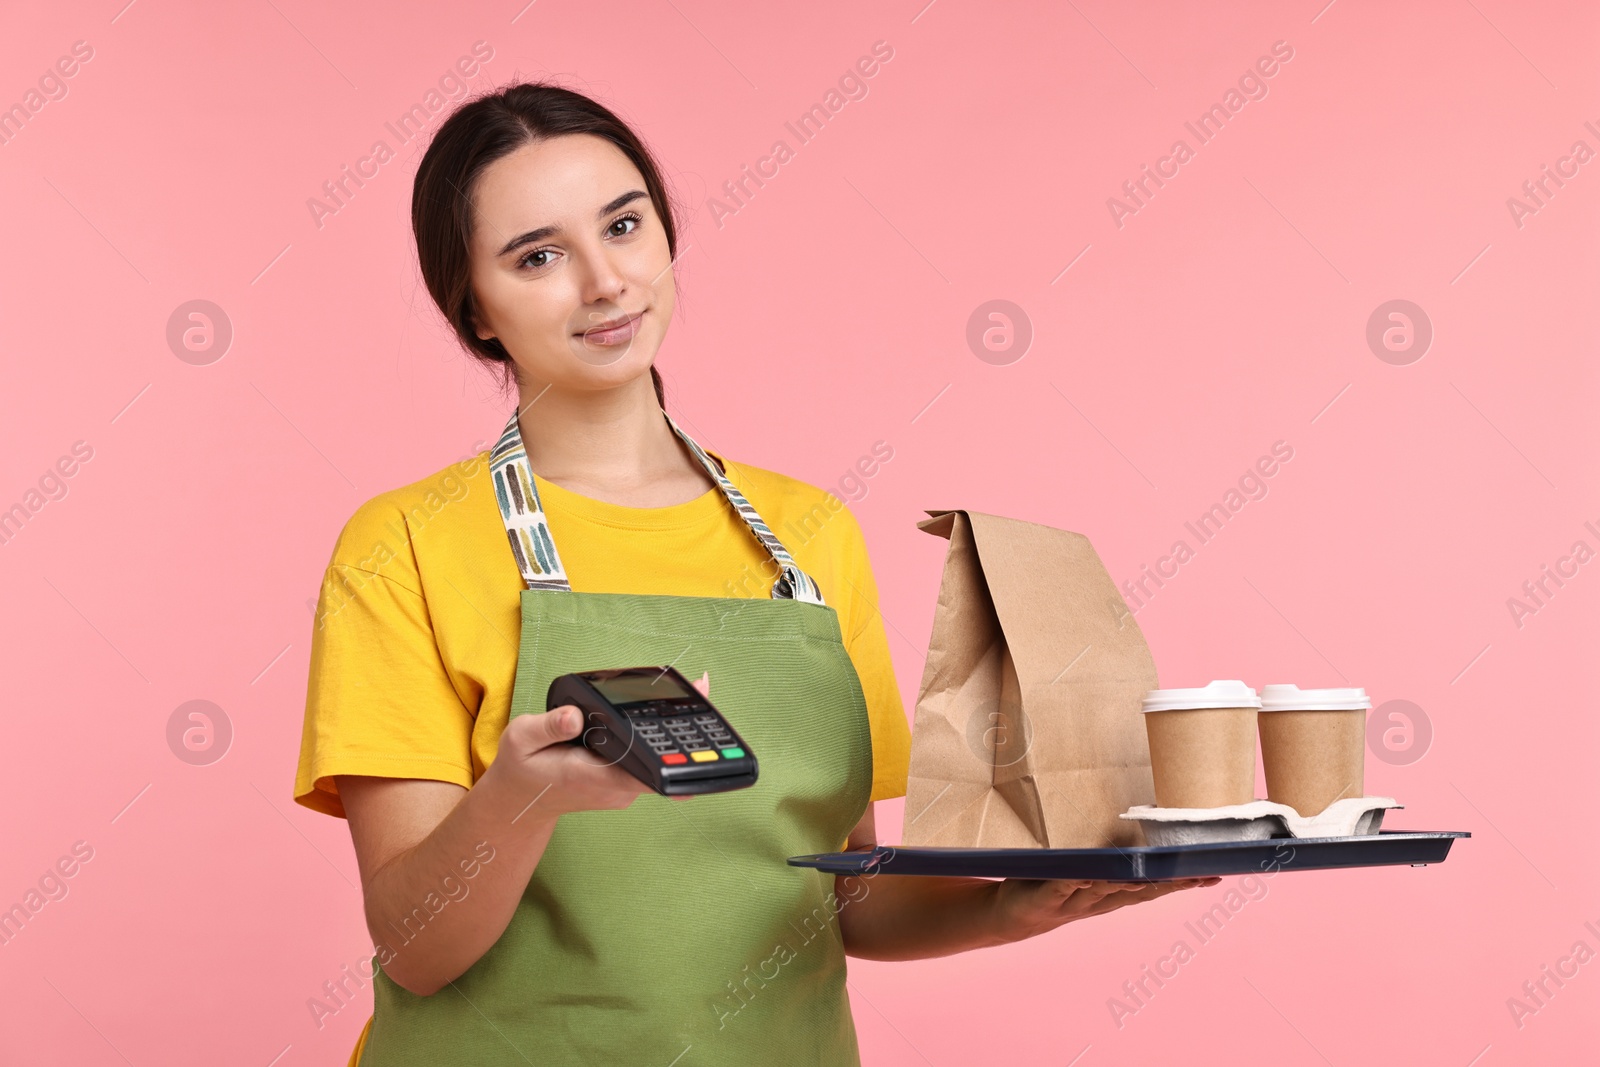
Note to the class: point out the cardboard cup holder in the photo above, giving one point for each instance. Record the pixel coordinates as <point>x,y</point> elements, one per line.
<point>1258,820</point>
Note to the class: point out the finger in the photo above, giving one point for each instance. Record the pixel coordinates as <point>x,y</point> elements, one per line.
<point>1131,894</point>
<point>1044,886</point>
<point>1050,894</point>
<point>1112,902</point>
<point>558,724</point>
<point>1089,896</point>
<point>1067,890</point>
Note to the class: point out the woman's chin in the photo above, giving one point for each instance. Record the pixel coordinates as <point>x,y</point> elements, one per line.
<point>615,376</point>
<point>611,365</point>
<point>592,368</point>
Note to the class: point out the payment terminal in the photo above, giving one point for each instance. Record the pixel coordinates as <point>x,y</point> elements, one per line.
<point>656,726</point>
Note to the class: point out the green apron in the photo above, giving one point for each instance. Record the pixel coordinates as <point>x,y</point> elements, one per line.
<point>670,932</point>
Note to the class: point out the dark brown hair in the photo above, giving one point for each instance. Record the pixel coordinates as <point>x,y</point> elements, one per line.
<point>482,130</point>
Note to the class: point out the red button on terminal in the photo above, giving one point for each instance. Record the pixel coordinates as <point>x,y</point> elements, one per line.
<point>676,757</point>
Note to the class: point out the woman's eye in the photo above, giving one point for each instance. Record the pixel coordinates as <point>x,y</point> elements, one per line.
<point>620,227</point>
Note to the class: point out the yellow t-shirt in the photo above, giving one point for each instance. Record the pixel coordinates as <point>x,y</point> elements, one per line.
<point>415,647</point>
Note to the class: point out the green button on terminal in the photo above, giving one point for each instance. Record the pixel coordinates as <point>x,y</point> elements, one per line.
<point>732,753</point>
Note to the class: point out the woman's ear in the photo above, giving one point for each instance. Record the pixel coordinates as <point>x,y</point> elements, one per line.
<point>478,328</point>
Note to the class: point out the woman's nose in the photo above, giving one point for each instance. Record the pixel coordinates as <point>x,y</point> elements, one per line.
<point>602,281</point>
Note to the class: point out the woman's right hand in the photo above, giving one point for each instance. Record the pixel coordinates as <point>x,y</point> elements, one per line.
<point>557,777</point>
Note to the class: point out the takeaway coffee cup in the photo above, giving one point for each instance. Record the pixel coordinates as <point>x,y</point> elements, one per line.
<point>1202,744</point>
<point>1313,745</point>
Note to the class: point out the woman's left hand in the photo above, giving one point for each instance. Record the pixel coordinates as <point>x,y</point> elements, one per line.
<point>1026,907</point>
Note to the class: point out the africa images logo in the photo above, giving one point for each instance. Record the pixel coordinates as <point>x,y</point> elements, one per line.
<point>1252,85</point>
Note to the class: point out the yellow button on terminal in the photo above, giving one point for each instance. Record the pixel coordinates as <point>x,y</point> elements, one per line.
<point>703,756</point>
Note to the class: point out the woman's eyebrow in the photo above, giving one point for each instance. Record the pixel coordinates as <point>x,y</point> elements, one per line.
<point>549,231</point>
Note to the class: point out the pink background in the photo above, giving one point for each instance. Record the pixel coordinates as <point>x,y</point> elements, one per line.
<point>1229,313</point>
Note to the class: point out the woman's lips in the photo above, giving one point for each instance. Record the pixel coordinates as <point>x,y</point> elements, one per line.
<point>614,335</point>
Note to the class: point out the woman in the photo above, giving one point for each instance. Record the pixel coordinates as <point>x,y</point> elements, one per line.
<point>528,901</point>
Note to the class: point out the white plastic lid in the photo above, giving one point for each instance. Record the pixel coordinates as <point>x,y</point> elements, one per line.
<point>1223,694</point>
<point>1293,698</point>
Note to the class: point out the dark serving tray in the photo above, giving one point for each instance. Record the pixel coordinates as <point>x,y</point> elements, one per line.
<point>1147,863</point>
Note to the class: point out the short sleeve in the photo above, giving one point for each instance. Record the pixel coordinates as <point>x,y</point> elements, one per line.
<point>379,701</point>
<point>868,646</point>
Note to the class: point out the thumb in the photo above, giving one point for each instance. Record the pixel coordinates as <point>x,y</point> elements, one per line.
<point>558,724</point>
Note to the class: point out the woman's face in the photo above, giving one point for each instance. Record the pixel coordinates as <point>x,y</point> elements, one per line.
<point>565,243</point>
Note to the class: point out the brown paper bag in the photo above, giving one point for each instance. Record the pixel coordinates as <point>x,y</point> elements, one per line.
<point>1028,732</point>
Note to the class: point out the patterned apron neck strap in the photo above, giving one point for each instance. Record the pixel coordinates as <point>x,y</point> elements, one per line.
<point>535,551</point>
<point>522,513</point>
<point>793,583</point>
